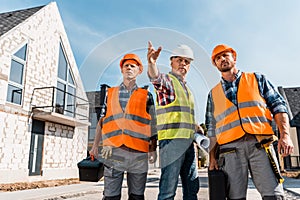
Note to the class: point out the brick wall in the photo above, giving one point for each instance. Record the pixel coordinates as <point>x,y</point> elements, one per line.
<point>64,146</point>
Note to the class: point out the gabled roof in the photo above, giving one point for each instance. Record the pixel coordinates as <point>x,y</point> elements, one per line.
<point>11,19</point>
<point>293,98</point>
<point>295,122</point>
<point>292,95</point>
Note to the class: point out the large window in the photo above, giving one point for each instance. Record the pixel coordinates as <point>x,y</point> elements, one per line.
<point>66,90</point>
<point>16,76</point>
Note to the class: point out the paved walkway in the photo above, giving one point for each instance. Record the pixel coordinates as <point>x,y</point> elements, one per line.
<point>93,191</point>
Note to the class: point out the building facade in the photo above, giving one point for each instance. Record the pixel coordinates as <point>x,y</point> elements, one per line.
<point>292,96</point>
<point>96,111</point>
<point>43,105</point>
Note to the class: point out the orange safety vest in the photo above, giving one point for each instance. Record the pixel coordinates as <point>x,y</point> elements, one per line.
<point>251,114</point>
<point>130,127</point>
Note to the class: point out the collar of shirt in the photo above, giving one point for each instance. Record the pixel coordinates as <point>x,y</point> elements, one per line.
<point>237,76</point>
<point>178,77</point>
<point>124,95</point>
<point>230,88</point>
<point>182,82</point>
<point>123,87</point>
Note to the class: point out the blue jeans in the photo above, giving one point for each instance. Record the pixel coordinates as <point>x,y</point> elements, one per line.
<point>178,158</point>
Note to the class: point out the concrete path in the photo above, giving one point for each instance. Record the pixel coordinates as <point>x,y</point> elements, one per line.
<point>93,191</point>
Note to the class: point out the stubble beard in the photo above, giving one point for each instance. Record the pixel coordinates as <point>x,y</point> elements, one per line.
<point>227,67</point>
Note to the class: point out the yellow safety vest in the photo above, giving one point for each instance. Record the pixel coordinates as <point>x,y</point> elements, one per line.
<point>176,120</point>
<point>130,127</point>
<point>251,114</point>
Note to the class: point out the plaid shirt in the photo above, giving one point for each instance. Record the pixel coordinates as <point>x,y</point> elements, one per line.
<point>124,96</point>
<point>274,100</point>
<point>165,89</point>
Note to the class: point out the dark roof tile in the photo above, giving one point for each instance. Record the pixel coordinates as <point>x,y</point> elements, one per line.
<point>293,98</point>
<point>11,19</point>
<point>295,122</point>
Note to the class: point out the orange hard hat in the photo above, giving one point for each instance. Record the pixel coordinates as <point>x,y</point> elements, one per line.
<point>131,56</point>
<point>221,48</point>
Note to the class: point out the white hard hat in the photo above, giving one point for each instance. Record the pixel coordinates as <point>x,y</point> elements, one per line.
<point>183,51</point>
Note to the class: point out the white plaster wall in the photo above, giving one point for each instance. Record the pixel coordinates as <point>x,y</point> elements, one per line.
<point>65,146</point>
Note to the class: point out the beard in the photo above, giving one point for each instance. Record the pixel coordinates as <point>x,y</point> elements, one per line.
<point>182,71</point>
<point>225,67</point>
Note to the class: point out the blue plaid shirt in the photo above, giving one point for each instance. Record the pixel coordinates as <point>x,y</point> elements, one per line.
<point>274,100</point>
<point>125,94</point>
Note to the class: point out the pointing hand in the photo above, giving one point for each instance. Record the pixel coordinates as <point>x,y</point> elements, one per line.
<point>152,54</point>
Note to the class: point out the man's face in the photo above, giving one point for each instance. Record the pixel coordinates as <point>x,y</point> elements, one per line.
<point>180,65</point>
<point>225,61</point>
<point>130,69</point>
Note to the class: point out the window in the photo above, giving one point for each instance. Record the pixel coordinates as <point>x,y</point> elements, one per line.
<point>16,79</point>
<point>92,129</point>
<point>66,90</point>
<point>36,147</point>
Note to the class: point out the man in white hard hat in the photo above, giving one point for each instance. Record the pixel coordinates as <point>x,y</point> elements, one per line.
<point>175,123</point>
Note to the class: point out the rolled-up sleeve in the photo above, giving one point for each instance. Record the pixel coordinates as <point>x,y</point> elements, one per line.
<point>157,82</point>
<point>275,102</point>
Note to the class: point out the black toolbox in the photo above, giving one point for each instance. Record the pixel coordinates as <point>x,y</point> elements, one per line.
<point>90,169</point>
<point>217,184</point>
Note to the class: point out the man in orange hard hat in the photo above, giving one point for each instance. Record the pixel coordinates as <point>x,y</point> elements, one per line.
<point>128,133</point>
<point>239,113</point>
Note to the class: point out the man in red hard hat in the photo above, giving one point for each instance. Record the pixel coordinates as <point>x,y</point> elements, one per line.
<point>239,113</point>
<point>128,133</point>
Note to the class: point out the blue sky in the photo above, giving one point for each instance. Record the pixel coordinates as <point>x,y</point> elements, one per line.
<point>265,34</point>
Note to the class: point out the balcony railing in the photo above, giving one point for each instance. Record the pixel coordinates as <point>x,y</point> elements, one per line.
<point>57,105</point>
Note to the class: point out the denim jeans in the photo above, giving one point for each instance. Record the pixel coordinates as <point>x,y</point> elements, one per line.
<point>178,158</point>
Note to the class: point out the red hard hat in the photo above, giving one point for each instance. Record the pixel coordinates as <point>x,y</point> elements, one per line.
<point>131,56</point>
<point>221,48</point>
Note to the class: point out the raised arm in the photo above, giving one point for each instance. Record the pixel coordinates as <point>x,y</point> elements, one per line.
<point>152,56</point>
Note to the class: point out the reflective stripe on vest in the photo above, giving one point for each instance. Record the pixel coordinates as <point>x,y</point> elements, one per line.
<point>251,115</point>
<point>176,120</point>
<point>130,127</point>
